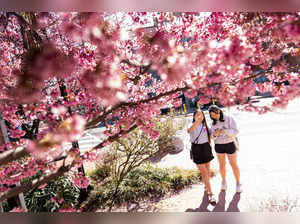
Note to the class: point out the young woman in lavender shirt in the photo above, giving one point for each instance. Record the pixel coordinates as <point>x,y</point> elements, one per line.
<point>201,150</point>
<point>224,132</point>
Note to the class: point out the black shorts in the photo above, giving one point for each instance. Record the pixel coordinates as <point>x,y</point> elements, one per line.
<point>228,148</point>
<point>202,153</point>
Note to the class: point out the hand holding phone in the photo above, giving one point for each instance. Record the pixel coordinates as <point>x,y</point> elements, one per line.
<point>218,132</point>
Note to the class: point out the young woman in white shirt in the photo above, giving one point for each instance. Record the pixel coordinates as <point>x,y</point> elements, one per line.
<point>224,132</point>
<point>201,150</point>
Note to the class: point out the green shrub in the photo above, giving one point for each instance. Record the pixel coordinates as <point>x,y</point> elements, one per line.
<point>39,200</point>
<point>142,183</point>
<point>122,177</point>
<point>167,127</point>
<point>122,156</point>
<point>100,173</point>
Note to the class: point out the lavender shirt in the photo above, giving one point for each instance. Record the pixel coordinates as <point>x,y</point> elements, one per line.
<point>230,128</point>
<point>203,138</point>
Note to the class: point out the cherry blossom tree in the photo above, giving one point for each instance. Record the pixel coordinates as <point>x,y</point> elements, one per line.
<point>64,73</point>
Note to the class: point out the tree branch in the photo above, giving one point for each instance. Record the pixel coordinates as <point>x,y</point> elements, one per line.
<point>144,67</point>
<point>35,183</point>
<point>15,154</point>
<point>95,122</point>
<point>114,137</point>
<point>23,21</point>
<point>11,155</point>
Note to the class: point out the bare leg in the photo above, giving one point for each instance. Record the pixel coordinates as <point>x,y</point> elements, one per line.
<point>233,162</point>
<point>222,165</point>
<point>208,167</point>
<point>205,177</point>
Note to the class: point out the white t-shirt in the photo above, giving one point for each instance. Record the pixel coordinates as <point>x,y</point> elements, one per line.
<point>203,138</point>
<point>230,128</point>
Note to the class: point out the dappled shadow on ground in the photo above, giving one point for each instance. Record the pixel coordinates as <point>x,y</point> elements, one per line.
<point>220,207</point>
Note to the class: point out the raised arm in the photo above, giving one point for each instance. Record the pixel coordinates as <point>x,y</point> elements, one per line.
<point>193,127</point>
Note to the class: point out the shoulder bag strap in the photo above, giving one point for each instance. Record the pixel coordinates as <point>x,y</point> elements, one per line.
<point>208,134</point>
<point>199,134</point>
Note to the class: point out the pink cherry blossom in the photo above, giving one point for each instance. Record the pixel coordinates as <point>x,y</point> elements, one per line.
<point>18,209</point>
<point>81,181</point>
<point>79,70</point>
<point>68,210</point>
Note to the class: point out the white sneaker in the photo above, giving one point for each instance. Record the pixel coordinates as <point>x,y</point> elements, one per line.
<point>224,186</point>
<point>239,188</point>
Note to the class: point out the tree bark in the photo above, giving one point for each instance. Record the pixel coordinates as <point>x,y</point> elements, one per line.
<point>34,184</point>
<point>13,154</point>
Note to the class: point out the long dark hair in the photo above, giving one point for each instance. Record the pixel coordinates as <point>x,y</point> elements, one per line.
<point>203,123</point>
<point>221,117</point>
